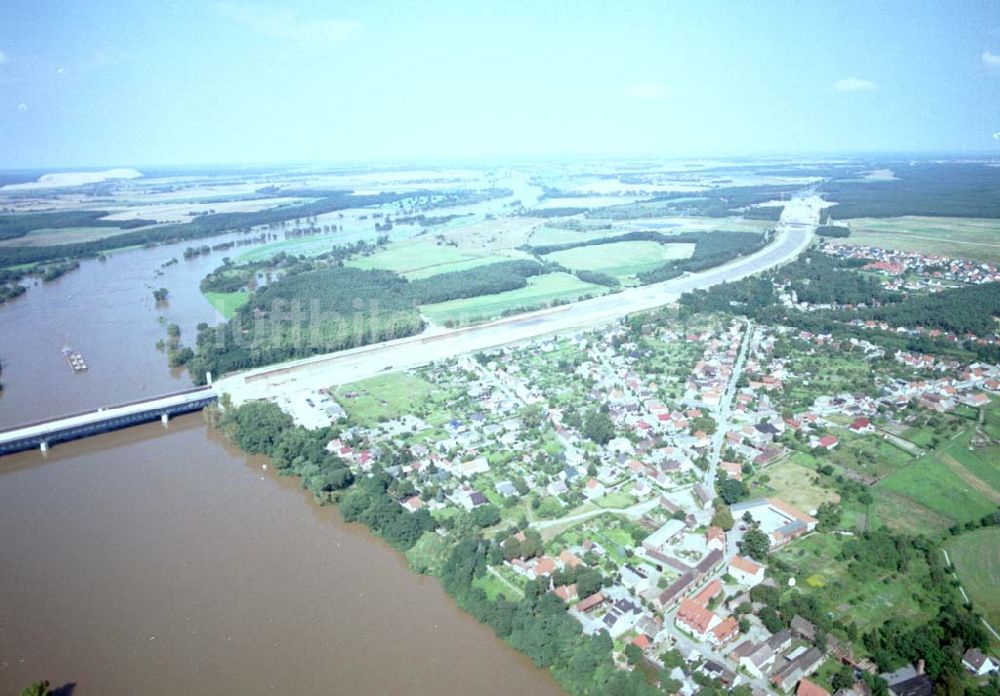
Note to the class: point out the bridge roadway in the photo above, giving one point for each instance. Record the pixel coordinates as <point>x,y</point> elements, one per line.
<point>795,232</point>
<point>41,434</point>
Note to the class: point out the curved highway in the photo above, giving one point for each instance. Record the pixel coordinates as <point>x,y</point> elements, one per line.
<point>795,231</point>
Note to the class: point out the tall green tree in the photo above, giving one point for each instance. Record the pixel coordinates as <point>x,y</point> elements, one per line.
<point>598,427</point>
<point>755,544</point>
<point>257,426</point>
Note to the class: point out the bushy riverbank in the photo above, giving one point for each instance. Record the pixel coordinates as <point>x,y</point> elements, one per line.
<point>538,625</point>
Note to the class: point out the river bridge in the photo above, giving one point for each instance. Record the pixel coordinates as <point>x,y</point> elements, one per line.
<point>42,434</point>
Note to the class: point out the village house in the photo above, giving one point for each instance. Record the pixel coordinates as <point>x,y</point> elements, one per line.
<point>714,670</point>
<point>726,631</point>
<point>808,688</point>
<point>780,641</point>
<point>759,661</point>
<point>468,498</point>
<point>862,425</point>
<point>745,571</point>
<point>827,442</point>
<point>715,538</point>
<point>803,629</point>
<point>672,594</point>
<point>734,470</point>
<point>589,604</point>
<point>659,540</point>
<point>789,674</point>
<point>635,579</point>
<point>505,489</point>
<point>567,593</point>
<point>593,489</point>
<point>621,617</point>
<point>704,497</point>
<point>695,618</point>
<point>569,559</point>
<point>978,663</point>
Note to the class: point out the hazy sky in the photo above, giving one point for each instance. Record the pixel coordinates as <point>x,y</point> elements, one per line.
<point>141,82</point>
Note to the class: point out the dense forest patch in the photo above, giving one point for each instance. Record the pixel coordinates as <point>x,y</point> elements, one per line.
<point>958,310</point>
<point>484,280</point>
<point>833,231</point>
<point>15,226</point>
<point>315,311</point>
<point>934,189</point>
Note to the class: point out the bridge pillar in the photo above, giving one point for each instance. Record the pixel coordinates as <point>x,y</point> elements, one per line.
<point>44,447</point>
<point>208,378</point>
<point>165,419</point>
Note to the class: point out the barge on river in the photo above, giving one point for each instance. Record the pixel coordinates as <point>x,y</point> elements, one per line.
<point>74,360</point>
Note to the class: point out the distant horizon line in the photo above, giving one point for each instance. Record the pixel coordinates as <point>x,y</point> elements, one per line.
<point>411,162</point>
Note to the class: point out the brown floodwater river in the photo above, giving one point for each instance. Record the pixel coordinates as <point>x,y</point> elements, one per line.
<point>152,561</point>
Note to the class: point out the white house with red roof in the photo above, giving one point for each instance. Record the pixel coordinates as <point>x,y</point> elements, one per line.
<point>695,618</point>
<point>827,442</point>
<point>862,425</point>
<point>746,571</point>
<point>715,538</point>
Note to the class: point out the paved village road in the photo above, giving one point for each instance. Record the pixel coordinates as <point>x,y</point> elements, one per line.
<point>725,409</point>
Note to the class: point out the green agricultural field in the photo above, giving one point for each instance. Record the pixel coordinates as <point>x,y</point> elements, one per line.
<point>921,436</point>
<point>979,467</point>
<point>308,245</point>
<point>991,422</point>
<point>793,482</point>
<point>544,236</point>
<point>541,290</point>
<point>976,556</point>
<point>621,259</point>
<point>868,455</point>
<point>422,258</point>
<point>62,235</point>
<point>615,500</point>
<point>389,396</point>
<point>226,303</point>
<point>933,493</point>
<point>903,514</point>
<point>972,238</point>
<point>866,599</point>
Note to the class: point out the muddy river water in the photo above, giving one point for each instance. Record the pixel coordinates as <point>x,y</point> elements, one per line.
<point>163,561</point>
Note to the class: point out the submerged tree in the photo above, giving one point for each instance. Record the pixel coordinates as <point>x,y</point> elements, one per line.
<point>40,688</point>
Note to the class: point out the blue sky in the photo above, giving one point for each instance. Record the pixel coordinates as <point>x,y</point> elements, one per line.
<point>103,82</point>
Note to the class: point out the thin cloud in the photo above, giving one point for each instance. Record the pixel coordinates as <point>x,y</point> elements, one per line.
<point>647,90</point>
<point>3,57</point>
<point>853,84</point>
<point>991,59</point>
<point>286,23</point>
